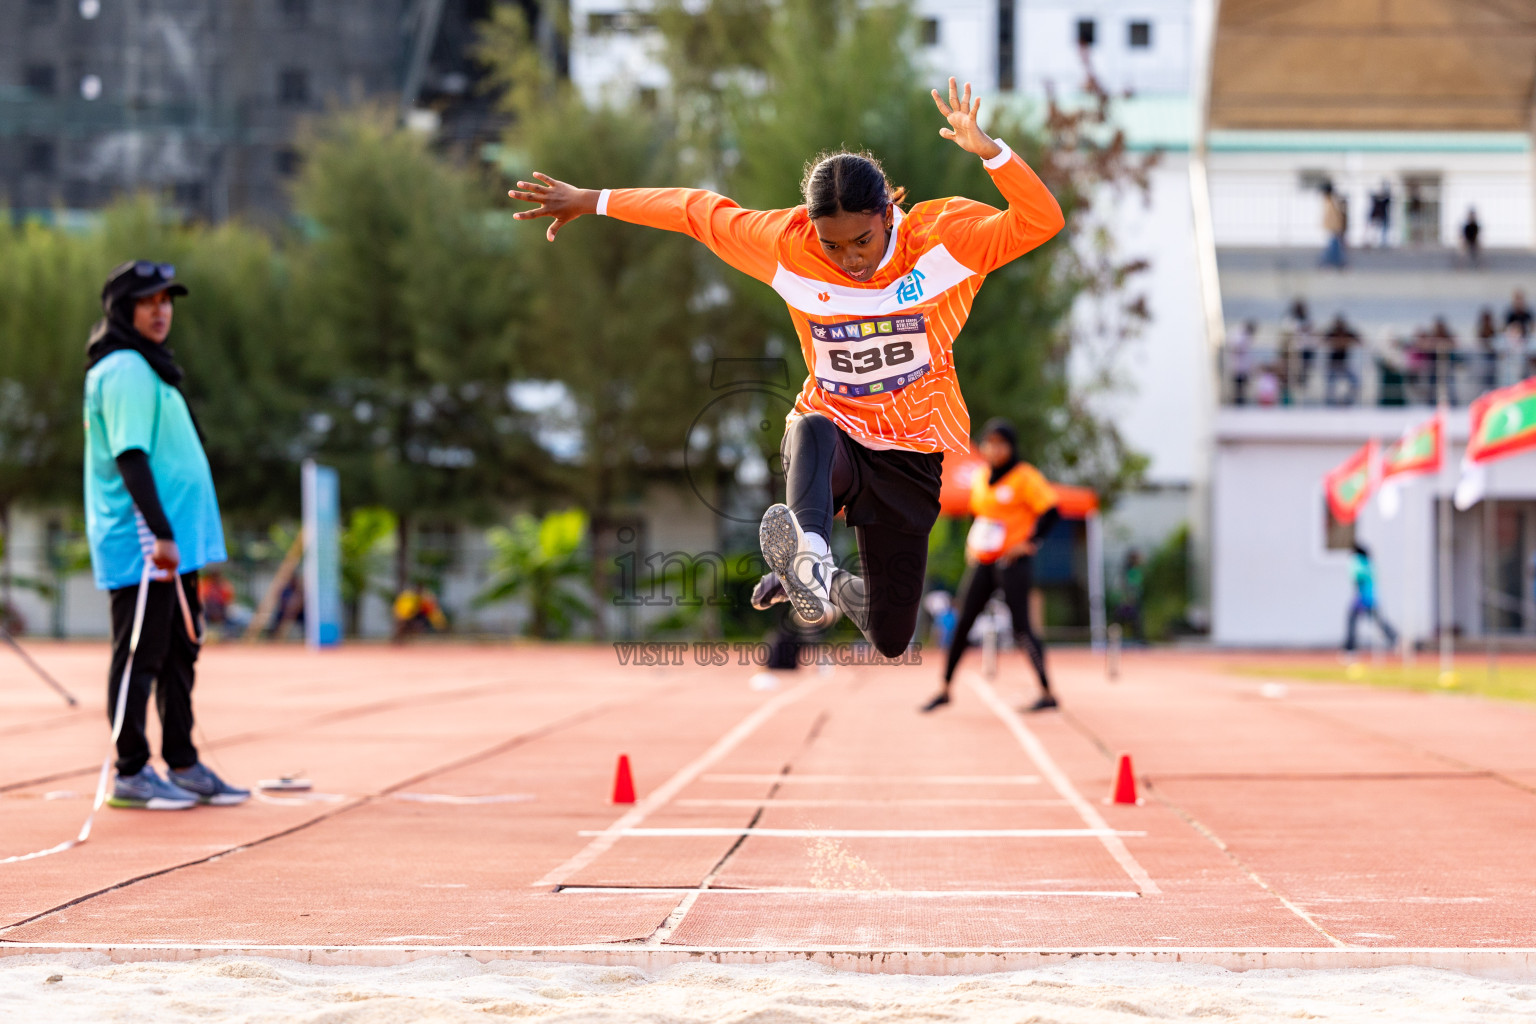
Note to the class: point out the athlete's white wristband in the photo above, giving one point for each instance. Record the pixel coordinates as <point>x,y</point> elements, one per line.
<point>602,202</point>
<point>1000,159</point>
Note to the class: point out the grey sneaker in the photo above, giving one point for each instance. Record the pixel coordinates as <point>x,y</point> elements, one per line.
<point>784,550</point>
<point>768,592</point>
<point>147,791</point>
<point>207,787</point>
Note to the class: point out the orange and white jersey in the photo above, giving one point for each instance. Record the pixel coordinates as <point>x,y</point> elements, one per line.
<point>879,351</point>
<point>1006,512</point>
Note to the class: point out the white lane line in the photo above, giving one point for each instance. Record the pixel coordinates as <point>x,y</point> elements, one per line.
<point>449,798</point>
<point>664,793</point>
<point>872,833</point>
<point>1063,785</point>
<point>908,780</point>
<point>789,890</point>
<point>793,801</point>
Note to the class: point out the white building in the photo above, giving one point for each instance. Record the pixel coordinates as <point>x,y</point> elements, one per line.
<point>1293,104</point>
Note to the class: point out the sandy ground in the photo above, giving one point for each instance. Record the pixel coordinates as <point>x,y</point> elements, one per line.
<point>81,987</point>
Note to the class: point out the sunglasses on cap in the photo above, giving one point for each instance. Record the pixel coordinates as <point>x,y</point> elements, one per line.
<point>145,268</point>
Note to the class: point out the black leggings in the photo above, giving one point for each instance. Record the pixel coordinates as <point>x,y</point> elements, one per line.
<point>980,583</point>
<point>883,592</point>
<point>165,663</point>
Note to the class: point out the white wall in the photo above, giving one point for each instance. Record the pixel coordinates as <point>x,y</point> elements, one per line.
<point>1049,57</point>
<point>1166,370</point>
<point>1273,582</point>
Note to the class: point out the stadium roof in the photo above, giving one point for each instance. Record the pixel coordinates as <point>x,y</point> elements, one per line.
<point>1408,65</point>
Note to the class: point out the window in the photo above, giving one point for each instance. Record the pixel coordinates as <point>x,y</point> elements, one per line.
<point>928,31</point>
<point>40,79</point>
<point>1337,536</point>
<point>295,13</point>
<point>287,162</point>
<point>293,86</point>
<point>1085,31</point>
<point>1139,35</point>
<point>40,156</point>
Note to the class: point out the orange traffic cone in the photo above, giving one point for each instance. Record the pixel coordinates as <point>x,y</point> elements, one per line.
<point>623,782</point>
<point>1125,782</point>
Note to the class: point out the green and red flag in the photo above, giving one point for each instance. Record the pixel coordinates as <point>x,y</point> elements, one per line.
<point>1503,422</point>
<point>1349,486</point>
<point>1421,449</point>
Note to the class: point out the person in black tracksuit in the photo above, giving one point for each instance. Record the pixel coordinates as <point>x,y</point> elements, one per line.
<point>1015,509</point>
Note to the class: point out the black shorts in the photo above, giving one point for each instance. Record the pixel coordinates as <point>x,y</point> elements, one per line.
<point>894,488</point>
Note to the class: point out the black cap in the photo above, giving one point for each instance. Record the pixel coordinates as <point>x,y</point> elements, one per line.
<point>137,278</point>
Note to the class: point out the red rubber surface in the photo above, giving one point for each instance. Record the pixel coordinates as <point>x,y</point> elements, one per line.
<point>464,775</point>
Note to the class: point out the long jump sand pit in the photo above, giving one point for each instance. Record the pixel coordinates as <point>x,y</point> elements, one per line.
<point>459,852</point>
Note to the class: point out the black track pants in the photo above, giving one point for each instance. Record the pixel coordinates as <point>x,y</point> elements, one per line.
<point>980,583</point>
<point>164,662</point>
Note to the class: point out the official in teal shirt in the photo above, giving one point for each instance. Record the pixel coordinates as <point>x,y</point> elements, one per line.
<point>1364,604</point>
<point>149,498</point>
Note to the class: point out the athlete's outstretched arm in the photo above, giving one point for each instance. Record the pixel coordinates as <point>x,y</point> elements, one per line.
<point>743,238</point>
<point>979,236</point>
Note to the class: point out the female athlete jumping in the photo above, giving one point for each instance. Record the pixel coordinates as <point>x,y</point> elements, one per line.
<point>877,297</point>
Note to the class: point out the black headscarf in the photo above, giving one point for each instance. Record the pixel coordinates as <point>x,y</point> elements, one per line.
<point>115,332</point>
<point>1000,427</point>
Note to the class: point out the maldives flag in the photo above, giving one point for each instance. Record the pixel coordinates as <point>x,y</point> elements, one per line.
<point>1503,422</point>
<point>1349,486</point>
<point>1421,449</point>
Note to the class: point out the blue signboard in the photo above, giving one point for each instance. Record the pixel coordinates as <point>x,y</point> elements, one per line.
<point>322,555</point>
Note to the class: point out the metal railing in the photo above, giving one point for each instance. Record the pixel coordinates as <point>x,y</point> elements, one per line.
<point>1365,375</point>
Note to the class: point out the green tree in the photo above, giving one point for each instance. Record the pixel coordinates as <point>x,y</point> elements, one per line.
<point>621,316</point>
<point>366,530</point>
<point>404,290</point>
<point>764,85</point>
<point>542,561</point>
<point>49,280</point>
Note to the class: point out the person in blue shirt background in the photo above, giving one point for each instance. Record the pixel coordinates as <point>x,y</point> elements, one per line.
<point>149,496</point>
<point>1365,600</point>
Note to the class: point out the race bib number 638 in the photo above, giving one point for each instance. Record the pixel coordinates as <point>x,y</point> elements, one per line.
<point>871,357</point>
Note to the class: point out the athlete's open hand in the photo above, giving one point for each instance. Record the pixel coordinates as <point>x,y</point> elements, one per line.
<point>963,130</point>
<point>556,199</point>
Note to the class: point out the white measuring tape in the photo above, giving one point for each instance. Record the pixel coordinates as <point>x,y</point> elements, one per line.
<point>194,634</point>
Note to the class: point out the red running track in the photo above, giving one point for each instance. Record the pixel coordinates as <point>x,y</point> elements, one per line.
<point>461,794</point>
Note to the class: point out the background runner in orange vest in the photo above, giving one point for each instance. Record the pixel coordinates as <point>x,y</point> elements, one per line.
<point>1015,507</point>
<point>877,297</point>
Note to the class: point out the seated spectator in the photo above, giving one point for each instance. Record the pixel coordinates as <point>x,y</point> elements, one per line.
<point>1298,347</point>
<point>1517,319</point>
<point>1518,332</point>
<point>1266,385</point>
<point>417,611</point>
<point>1240,359</point>
<point>223,616</point>
<point>289,611</point>
<point>1487,354</point>
<point>1433,357</point>
<point>1340,339</point>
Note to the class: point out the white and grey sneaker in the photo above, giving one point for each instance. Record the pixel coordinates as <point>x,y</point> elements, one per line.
<point>805,575</point>
<point>147,791</point>
<point>768,592</point>
<point>207,787</point>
